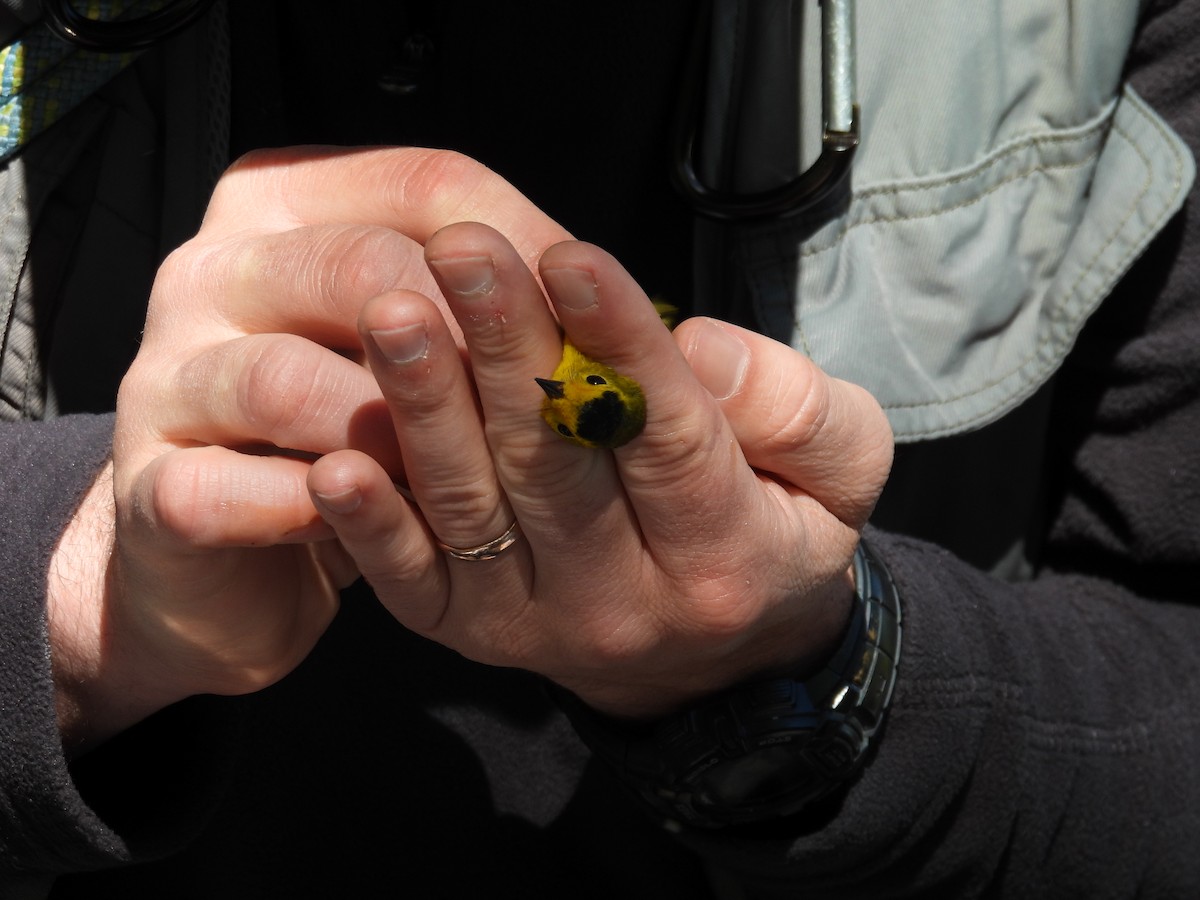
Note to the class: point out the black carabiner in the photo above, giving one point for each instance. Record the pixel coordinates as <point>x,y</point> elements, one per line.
<point>120,35</point>
<point>839,141</point>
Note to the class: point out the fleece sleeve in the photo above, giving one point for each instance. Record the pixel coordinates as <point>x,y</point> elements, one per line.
<point>48,468</point>
<point>56,817</point>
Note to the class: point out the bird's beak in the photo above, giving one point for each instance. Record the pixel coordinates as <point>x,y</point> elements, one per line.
<point>553,389</point>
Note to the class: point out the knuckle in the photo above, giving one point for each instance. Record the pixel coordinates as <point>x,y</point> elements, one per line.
<point>615,648</point>
<point>686,454</point>
<point>442,181</point>
<point>252,159</point>
<point>177,265</point>
<point>190,272</point>
<point>724,591</point>
<point>551,483</point>
<point>361,262</point>
<point>327,272</point>
<point>250,171</point>
<point>724,618</point>
<point>144,402</point>
<point>276,385</point>
<point>137,386</point>
<point>799,417</point>
<point>473,512</point>
<point>268,183</point>
<point>181,498</point>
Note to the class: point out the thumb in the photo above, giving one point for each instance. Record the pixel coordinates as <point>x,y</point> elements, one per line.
<point>824,435</point>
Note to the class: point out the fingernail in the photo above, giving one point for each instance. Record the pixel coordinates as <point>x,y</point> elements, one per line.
<point>720,360</point>
<point>340,503</point>
<point>402,345</point>
<point>571,288</point>
<point>466,275</point>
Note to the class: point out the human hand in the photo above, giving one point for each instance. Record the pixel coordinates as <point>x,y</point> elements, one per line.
<point>192,566</point>
<point>713,547</point>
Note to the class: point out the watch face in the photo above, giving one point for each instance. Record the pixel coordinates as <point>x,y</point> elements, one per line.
<point>762,778</point>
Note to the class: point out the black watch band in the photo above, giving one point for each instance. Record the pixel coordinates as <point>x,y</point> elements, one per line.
<point>764,749</point>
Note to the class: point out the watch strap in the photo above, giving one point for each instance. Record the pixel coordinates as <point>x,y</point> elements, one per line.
<point>767,748</point>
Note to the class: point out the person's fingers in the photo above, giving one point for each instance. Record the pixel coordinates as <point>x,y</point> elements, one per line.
<point>686,450</point>
<point>482,608</point>
<point>826,436</point>
<point>568,499</point>
<point>502,310</point>
<point>412,190</point>
<point>211,497</point>
<point>310,281</point>
<point>276,389</point>
<point>264,391</point>
<point>387,538</point>
<point>377,526</point>
<point>448,464</point>
<point>189,596</point>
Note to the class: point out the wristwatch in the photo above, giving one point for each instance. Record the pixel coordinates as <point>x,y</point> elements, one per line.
<point>765,749</point>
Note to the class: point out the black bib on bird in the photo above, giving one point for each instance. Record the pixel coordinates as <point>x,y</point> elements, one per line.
<point>600,418</point>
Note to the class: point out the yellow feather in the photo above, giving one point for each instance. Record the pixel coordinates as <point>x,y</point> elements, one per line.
<point>591,404</point>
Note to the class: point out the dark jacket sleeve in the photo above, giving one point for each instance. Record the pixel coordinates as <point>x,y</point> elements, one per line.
<point>58,817</point>
<point>1044,736</point>
<point>48,467</point>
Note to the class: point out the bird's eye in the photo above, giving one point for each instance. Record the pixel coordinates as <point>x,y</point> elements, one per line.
<point>596,379</point>
<point>564,430</point>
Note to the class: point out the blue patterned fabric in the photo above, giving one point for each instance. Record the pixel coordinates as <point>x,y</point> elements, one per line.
<point>42,77</point>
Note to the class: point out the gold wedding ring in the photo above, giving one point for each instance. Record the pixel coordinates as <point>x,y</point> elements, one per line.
<point>490,550</point>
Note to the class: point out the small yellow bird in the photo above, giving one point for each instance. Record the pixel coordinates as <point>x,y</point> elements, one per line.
<point>592,404</point>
